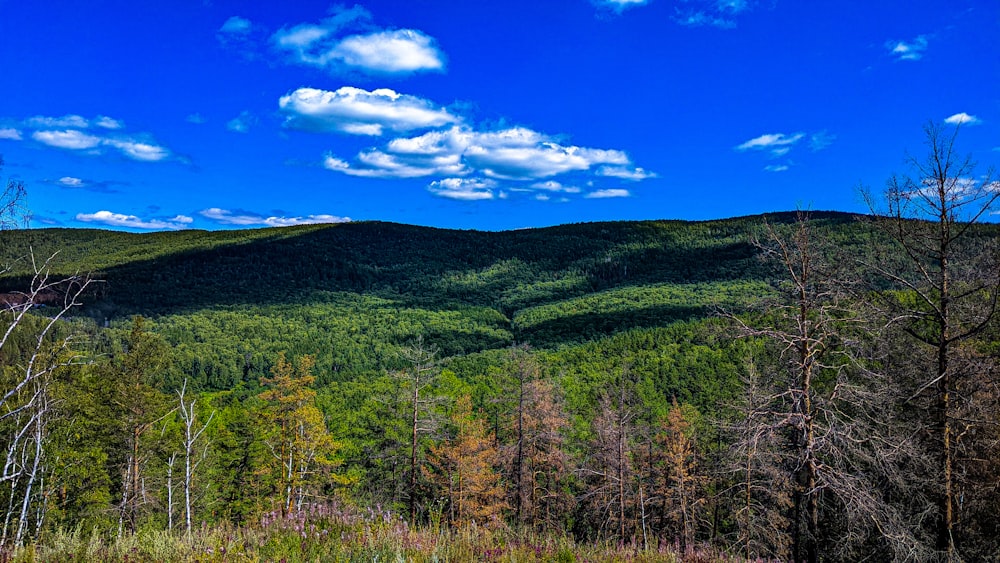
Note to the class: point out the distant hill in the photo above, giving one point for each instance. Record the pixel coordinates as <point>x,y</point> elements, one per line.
<point>352,293</point>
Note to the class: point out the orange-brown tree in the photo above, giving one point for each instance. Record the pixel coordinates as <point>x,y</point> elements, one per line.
<point>536,465</point>
<point>677,481</point>
<point>464,469</point>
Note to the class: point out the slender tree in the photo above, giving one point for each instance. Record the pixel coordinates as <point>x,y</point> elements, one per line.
<point>302,448</point>
<point>827,410</point>
<point>192,458</point>
<point>132,377</point>
<point>943,284</point>
<point>609,472</point>
<point>414,382</point>
<point>33,352</point>
<point>465,469</point>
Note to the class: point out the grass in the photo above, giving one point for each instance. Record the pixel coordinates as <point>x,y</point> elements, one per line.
<point>335,533</point>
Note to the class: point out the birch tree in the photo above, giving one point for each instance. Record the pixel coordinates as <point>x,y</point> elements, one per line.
<point>32,353</point>
<point>192,458</point>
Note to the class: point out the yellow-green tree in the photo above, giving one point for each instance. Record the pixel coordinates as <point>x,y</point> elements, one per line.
<point>302,449</point>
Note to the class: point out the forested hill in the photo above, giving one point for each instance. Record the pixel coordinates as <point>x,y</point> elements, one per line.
<point>350,293</point>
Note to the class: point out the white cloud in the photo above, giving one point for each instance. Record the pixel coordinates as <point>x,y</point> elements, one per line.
<point>776,167</point>
<point>236,25</point>
<point>139,150</point>
<point>465,189</point>
<point>133,222</point>
<point>94,142</point>
<point>390,52</point>
<point>515,153</point>
<point>378,164</point>
<point>70,182</point>
<point>963,119</point>
<point>626,172</point>
<point>908,51</point>
<point>401,51</point>
<point>68,139</point>
<point>360,112</point>
<point>106,122</point>
<point>247,219</point>
<point>777,144</point>
<point>74,183</point>
<point>609,193</point>
<point>66,121</point>
<point>553,186</point>
<point>10,133</point>
<point>242,123</point>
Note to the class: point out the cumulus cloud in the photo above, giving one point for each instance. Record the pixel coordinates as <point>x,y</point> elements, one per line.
<point>465,189</point>
<point>713,13</point>
<point>94,142</point>
<point>133,222</point>
<point>908,50</point>
<point>963,119</point>
<point>360,112</point>
<point>10,133</point>
<point>69,139</point>
<point>242,36</point>
<point>515,153</point>
<point>633,173</point>
<point>400,51</point>
<point>776,167</point>
<point>106,122</point>
<point>553,186</point>
<point>249,219</point>
<point>242,122</point>
<point>70,182</point>
<point>138,149</point>
<point>42,122</point>
<point>75,133</point>
<point>608,193</point>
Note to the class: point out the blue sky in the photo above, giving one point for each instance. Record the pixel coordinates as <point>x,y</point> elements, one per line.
<point>479,114</point>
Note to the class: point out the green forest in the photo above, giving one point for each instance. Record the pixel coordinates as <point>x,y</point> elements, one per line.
<point>798,386</point>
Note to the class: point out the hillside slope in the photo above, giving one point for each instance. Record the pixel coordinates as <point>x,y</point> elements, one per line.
<point>352,293</point>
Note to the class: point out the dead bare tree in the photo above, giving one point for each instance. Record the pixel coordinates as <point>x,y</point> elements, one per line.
<point>192,459</point>
<point>26,406</point>
<point>943,282</point>
<point>612,480</point>
<point>824,409</point>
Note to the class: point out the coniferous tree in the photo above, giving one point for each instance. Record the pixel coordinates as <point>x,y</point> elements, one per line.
<point>943,282</point>
<point>302,449</point>
<point>465,469</point>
